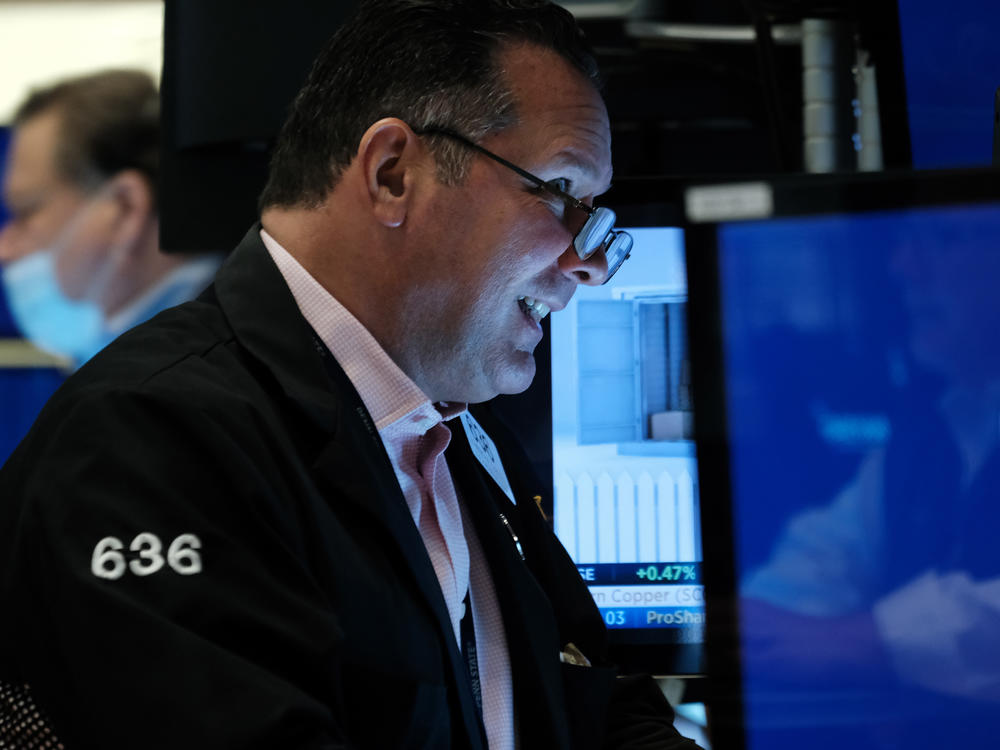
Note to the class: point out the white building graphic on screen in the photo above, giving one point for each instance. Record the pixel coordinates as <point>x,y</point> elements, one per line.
<point>623,458</point>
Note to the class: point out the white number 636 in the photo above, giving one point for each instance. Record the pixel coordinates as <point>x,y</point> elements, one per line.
<point>108,560</point>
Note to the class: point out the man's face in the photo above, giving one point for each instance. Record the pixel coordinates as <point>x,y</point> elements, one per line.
<point>496,241</point>
<point>48,211</point>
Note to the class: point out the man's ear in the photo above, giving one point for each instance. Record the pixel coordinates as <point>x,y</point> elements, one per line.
<point>388,155</point>
<point>134,206</point>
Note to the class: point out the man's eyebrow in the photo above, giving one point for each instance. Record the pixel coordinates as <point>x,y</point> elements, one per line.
<point>574,161</point>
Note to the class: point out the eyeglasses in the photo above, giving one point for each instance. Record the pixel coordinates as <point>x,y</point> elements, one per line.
<point>598,233</point>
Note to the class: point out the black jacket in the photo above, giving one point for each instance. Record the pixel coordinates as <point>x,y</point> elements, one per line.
<point>280,595</point>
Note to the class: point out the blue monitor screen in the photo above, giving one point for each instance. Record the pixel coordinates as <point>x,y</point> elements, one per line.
<point>951,62</point>
<point>7,327</point>
<point>626,496</point>
<point>862,400</point>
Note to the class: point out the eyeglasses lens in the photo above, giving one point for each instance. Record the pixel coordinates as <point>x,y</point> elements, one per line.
<point>598,233</point>
<point>594,232</point>
<point>618,251</point>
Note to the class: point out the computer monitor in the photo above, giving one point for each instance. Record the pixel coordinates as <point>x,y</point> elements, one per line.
<point>847,387</point>
<point>614,375</point>
<point>951,63</point>
<point>230,72</point>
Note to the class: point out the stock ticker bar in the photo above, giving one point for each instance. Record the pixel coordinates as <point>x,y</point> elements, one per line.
<point>683,618</point>
<point>640,573</point>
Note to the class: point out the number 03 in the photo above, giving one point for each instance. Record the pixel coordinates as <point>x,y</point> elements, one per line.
<point>108,560</point>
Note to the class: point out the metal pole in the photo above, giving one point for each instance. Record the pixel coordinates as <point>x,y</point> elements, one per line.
<point>819,95</point>
<point>868,133</point>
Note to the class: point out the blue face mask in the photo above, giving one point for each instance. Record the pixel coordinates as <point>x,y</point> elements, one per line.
<point>45,315</point>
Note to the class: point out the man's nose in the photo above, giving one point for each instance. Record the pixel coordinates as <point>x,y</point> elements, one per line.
<point>592,271</point>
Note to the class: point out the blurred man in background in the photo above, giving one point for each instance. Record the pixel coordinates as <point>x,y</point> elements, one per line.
<point>80,255</point>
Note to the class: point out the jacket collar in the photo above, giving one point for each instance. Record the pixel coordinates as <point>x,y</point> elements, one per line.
<point>266,321</point>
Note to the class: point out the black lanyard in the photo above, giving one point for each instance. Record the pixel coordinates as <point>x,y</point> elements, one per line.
<point>467,632</point>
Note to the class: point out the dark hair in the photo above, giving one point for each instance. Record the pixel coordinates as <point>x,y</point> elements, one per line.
<point>108,121</point>
<point>428,63</point>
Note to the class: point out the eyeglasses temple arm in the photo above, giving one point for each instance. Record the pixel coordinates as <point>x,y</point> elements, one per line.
<point>523,173</point>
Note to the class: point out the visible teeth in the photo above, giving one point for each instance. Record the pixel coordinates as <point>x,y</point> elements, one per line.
<point>535,308</point>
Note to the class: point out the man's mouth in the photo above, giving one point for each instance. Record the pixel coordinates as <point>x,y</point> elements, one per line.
<point>533,308</point>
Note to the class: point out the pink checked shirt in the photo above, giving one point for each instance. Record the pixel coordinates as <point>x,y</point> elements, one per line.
<point>415,437</point>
